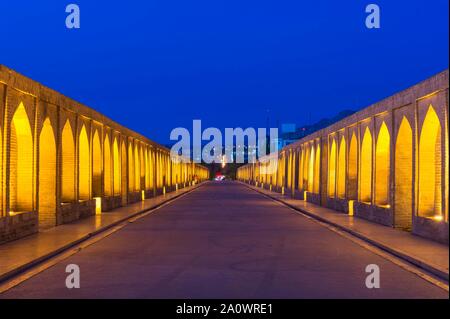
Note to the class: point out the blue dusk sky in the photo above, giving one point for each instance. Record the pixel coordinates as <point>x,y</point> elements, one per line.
<point>158,64</point>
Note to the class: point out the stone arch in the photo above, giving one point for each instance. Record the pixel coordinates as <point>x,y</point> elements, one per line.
<point>131,168</point>
<point>403,176</point>
<point>352,191</point>
<point>366,167</point>
<point>382,166</point>
<point>67,164</point>
<point>124,173</point>
<point>107,167</point>
<point>21,162</point>
<point>84,174</point>
<point>137,168</point>
<point>430,178</point>
<point>317,171</point>
<point>116,168</point>
<point>311,169</point>
<point>341,168</point>
<point>332,169</point>
<point>47,176</point>
<point>96,165</point>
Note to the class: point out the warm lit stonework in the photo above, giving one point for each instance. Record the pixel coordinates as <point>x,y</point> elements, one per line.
<point>62,161</point>
<point>394,171</point>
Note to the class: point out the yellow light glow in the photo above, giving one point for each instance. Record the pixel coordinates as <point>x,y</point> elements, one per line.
<point>83,167</point>
<point>98,205</point>
<point>341,169</point>
<point>116,168</point>
<point>68,164</point>
<point>438,218</point>
<point>430,178</point>
<point>382,166</point>
<point>305,193</point>
<point>366,167</point>
<point>332,170</point>
<point>350,207</point>
<point>47,176</point>
<point>107,167</point>
<point>142,195</point>
<point>352,191</point>
<point>96,166</point>
<point>21,162</point>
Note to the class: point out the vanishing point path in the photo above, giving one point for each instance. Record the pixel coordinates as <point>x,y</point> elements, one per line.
<point>224,240</point>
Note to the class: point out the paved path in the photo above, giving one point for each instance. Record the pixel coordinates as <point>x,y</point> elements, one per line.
<point>225,241</point>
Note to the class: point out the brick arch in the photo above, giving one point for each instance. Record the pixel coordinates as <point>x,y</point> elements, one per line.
<point>341,171</point>
<point>317,170</point>
<point>124,173</point>
<point>430,178</point>
<point>116,168</point>
<point>382,166</point>
<point>21,162</point>
<point>403,176</point>
<point>131,168</point>
<point>107,167</point>
<point>366,167</point>
<point>96,165</point>
<point>67,163</point>
<point>352,191</point>
<point>137,167</point>
<point>47,176</point>
<point>332,169</point>
<point>84,173</point>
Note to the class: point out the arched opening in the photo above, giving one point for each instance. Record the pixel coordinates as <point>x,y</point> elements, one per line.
<point>96,166</point>
<point>137,168</point>
<point>341,168</point>
<point>311,170</point>
<point>403,176</point>
<point>124,173</point>
<point>317,171</point>
<point>116,171</point>
<point>332,170</point>
<point>305,167</point>
<point>382,166</point>
<point>68,164</point>
<point>142,166</point>
<point>83,166</point>
<point>147,170</point>
<point>131,175</point>
<point>352,191</point>
<point>21,163</point>
<point>366,167</point>
<point>47,176</point>
<point>430,178</point>
<point>107,167</point>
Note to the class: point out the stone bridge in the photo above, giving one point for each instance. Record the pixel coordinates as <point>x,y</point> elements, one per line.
<point>61,160</point>
<point>387,163</point>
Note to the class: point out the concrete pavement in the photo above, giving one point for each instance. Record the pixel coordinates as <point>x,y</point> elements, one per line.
<point>427,254</point>
<point>20,254</point>
<point>225,240</point>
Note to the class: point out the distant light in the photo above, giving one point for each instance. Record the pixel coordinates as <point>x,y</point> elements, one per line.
<point>438,218</point>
